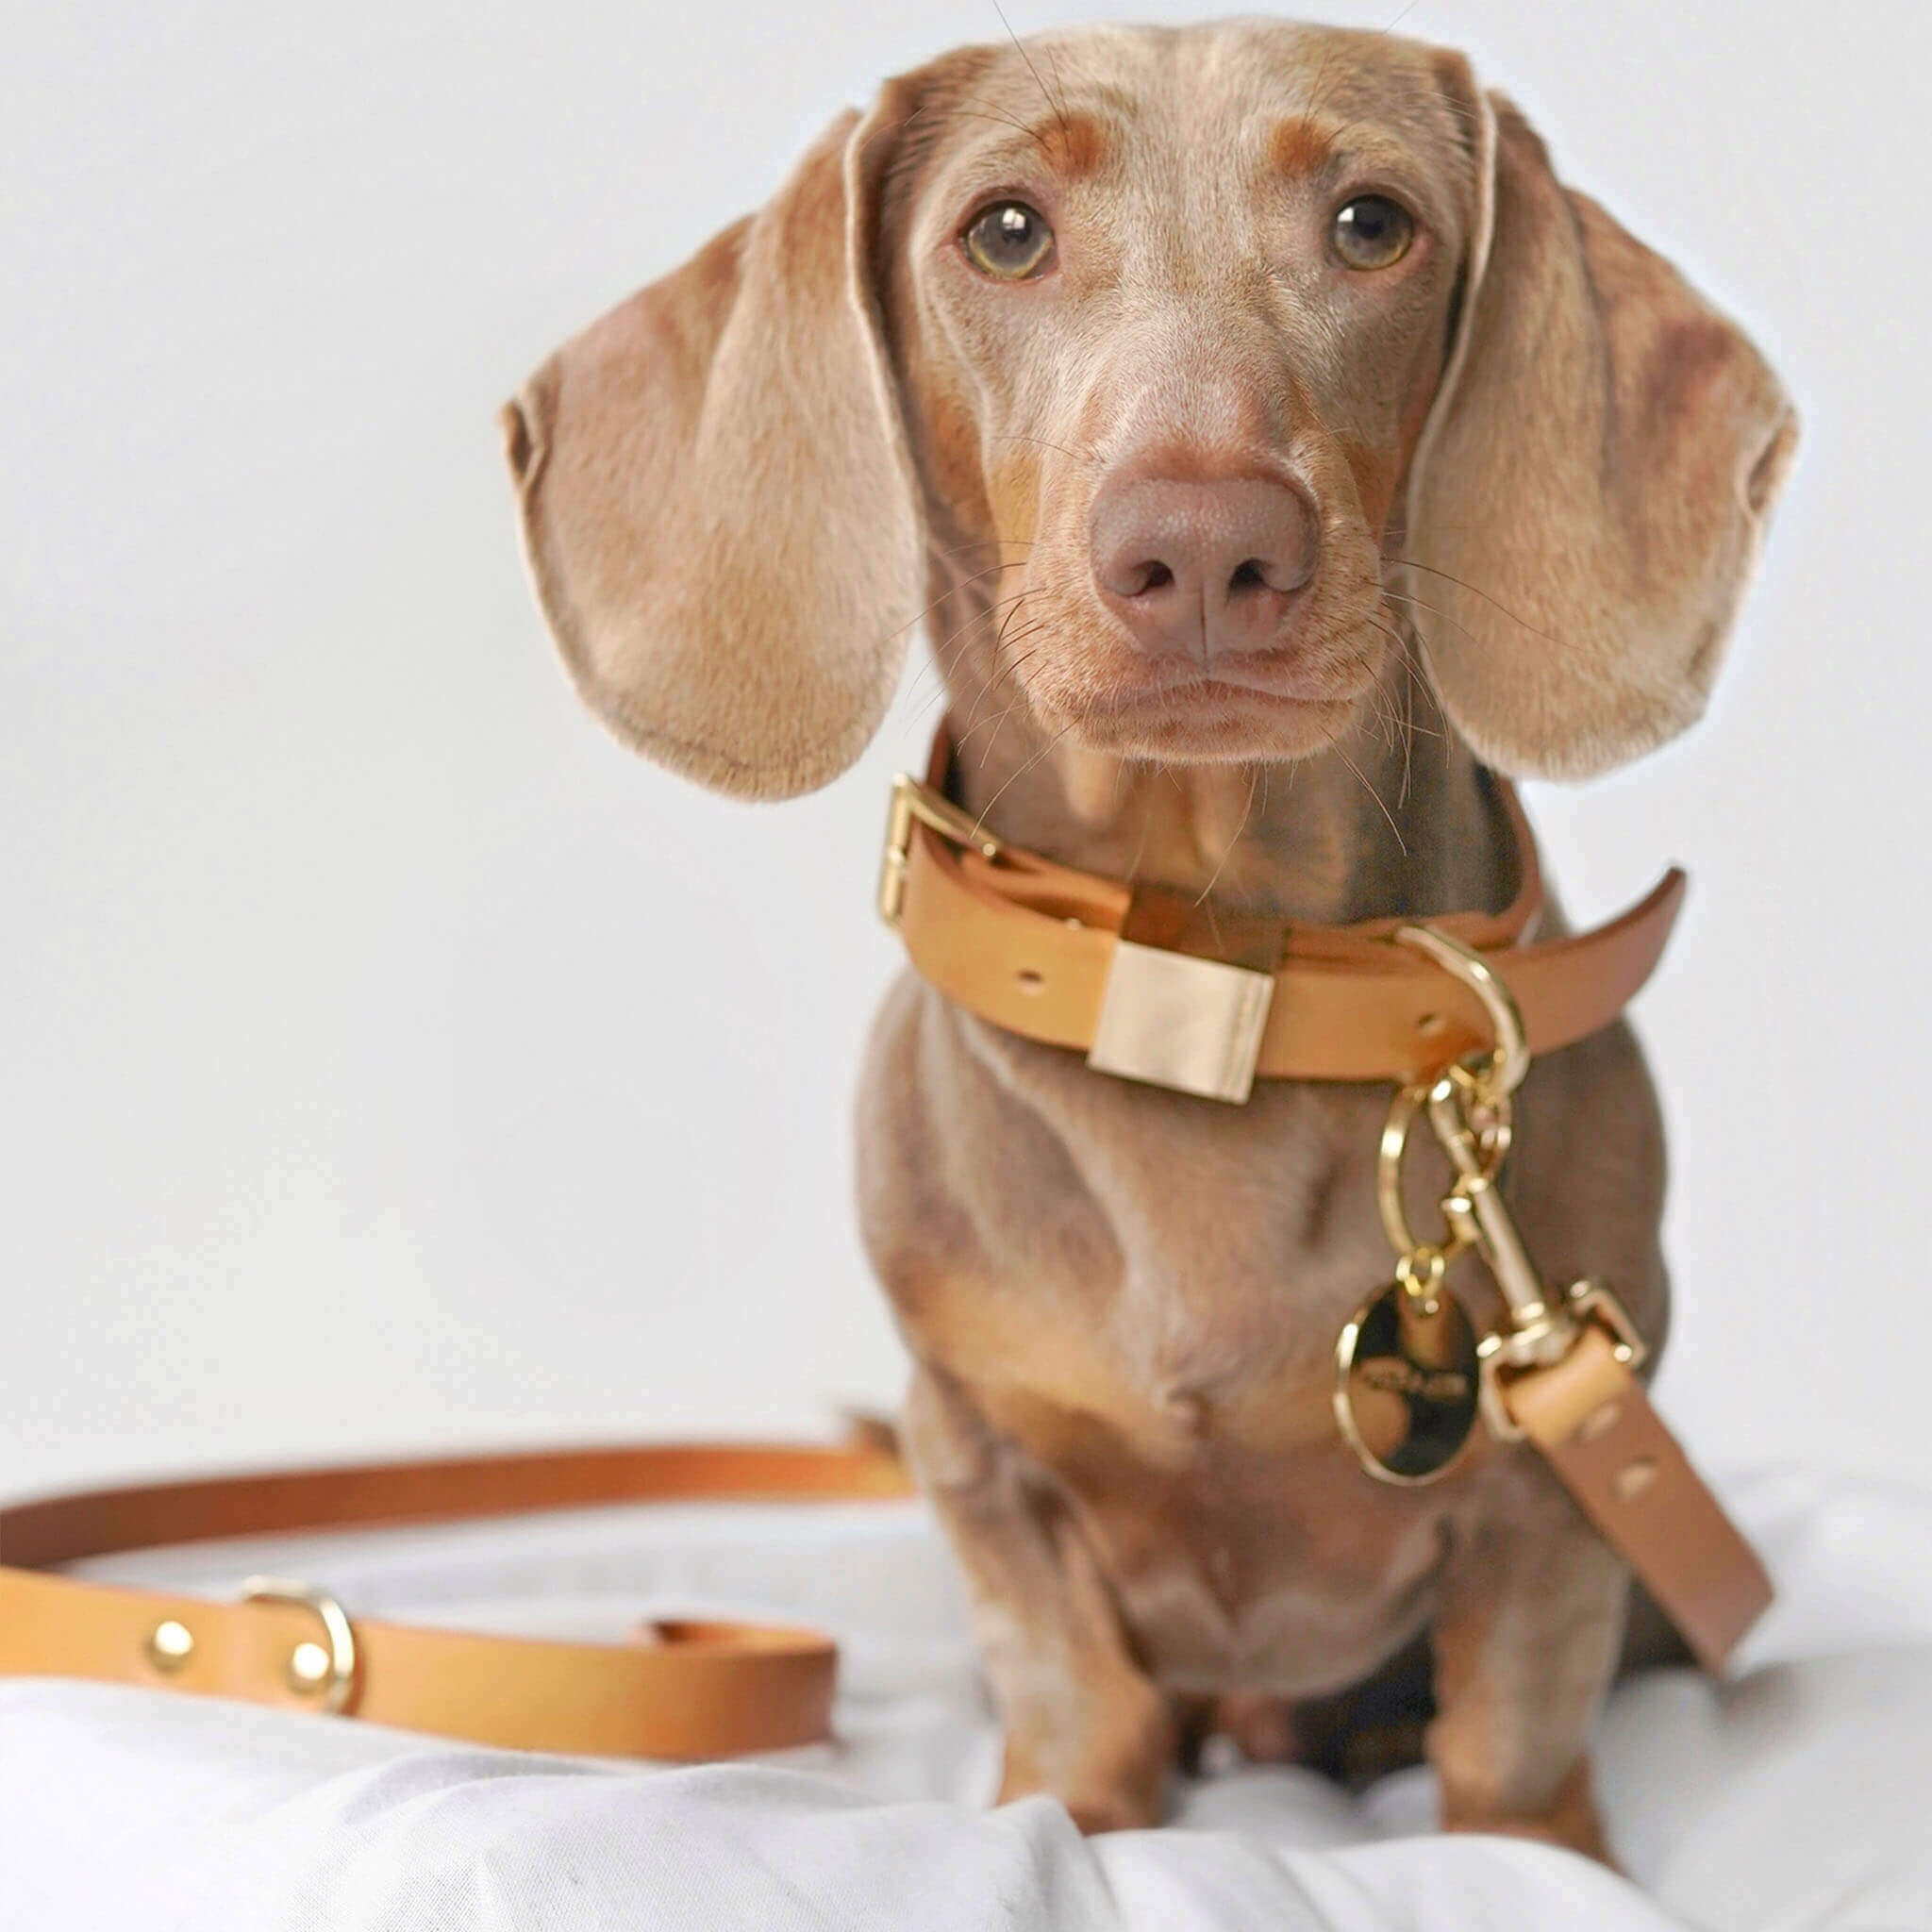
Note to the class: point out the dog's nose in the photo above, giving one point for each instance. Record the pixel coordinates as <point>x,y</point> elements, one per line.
<point>1202,569</point>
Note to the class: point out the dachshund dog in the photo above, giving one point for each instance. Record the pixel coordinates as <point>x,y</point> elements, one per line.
<point>1271,443</point>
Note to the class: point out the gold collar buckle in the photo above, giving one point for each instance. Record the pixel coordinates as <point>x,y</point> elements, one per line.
<point>1168,1016</point>
<point>917,804</point>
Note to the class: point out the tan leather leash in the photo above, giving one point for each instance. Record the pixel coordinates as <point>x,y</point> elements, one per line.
<point>1451,1010</point>
<point>682,1691</point>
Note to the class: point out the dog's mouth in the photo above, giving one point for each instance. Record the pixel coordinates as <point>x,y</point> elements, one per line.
<point>1212,720</point>
<point>1239,709</point>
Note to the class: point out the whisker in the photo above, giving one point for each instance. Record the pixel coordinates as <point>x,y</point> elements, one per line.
<point>992,723</point>
<point>1335,746</point>
<point>993,682</point>
<point>1411,563</point>
<point>1053,67</point>
<point>1012,671</point>
<point>991,570</point>
<point>979,617</point>
<point>1006,121</point>
<point>1247,811</point>
<point>945,652</point>
<point>1416,679</point>
<point>943,695</point>
<point>936,663</point>
<point>1399,597</point>
<point>979,544</point>
<point>1058,112</point>
<point>1019,703</point>
<point>1052,744</point>
<point>1079,455</point>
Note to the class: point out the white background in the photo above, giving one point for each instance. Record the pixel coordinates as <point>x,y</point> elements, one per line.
<point>388,1060</point>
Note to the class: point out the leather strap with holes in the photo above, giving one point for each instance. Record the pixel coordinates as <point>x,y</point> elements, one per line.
<point>681,1691</point>
<point>1027,944</point>
<point>1591,1417</point>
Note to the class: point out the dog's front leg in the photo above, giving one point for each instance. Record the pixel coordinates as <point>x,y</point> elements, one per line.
<point>1082,1721</point>
<point>1525,1646</point>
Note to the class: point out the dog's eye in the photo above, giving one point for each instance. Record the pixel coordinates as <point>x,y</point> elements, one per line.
<point>1008,241</point>
<point>1371,231</point>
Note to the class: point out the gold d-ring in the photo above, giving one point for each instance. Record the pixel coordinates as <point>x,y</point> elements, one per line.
<point>312,1669</point>
<point>1510,1061</point>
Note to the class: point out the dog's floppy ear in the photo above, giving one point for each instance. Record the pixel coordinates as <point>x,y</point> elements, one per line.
<point>718,507</point>
<point>1588,494</point>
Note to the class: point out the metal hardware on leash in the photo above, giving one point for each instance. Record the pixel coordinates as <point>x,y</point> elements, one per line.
<point>1410,1378</point>
<point>1510,1057</point>
<point>324,1672</point>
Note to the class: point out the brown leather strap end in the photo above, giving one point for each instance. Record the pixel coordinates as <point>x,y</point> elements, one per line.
<point>1592,1419</point>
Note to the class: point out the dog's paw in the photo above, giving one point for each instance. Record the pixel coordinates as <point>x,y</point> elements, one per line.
<point>1116,1811</point>
<point>1571,1822</point>
<point>1116,1780</point>
<point>1094,1807</point>
<point>1262,1727</point>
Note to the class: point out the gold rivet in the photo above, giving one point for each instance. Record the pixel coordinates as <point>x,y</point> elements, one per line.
<point>170,1644</point>
<point>1600,1421</point>
<point>309,1668</point>
<point>1634,1477</point>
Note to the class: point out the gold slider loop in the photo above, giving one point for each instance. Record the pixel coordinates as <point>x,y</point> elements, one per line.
<point>914,803</point>
<point>1547,1338</point>
<point>1173,1019</point>
<point>1510,1061</point>
<point>326,1673</point>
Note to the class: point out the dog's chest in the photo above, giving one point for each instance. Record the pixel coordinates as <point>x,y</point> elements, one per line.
<point>1189,1263</point>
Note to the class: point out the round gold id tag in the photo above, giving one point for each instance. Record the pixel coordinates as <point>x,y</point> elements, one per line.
<point>1406,1382</point>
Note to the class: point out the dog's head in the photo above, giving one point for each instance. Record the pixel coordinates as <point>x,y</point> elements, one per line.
<point>1179,351</point>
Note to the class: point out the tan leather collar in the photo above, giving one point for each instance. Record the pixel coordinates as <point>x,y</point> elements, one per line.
<point>1144,984</point>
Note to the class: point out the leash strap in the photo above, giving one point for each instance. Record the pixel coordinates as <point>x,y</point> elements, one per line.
<point>681,1691</point>
<point>1593,1422</point>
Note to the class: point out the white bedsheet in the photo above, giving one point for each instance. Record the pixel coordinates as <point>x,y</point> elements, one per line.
<point>1794,1800</point>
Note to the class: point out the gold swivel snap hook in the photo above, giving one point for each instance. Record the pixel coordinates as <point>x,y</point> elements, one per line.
<point>1408,1378</point>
